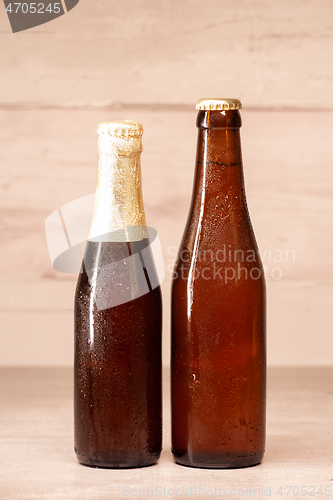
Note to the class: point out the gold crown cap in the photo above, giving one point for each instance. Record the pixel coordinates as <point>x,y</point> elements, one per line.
<point>124,129</point>
<point>218,104</point>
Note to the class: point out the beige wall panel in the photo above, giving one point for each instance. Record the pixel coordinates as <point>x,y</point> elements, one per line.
<point>36,338</point>
<point>37,323</point>
<point>266,53</point>
<point>299,326</point>
<point>48,158</point>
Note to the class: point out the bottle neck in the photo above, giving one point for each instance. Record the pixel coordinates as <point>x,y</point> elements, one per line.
<point>219,178</point>
<point>218,212</point>
<point>119,212</point>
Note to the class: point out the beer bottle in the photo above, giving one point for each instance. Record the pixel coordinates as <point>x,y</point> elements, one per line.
<point>218,360</point>
<point>118,317</point>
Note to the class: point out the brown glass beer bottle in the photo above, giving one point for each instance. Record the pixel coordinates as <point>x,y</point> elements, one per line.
<point>118,317</point>
<point>218,361</point>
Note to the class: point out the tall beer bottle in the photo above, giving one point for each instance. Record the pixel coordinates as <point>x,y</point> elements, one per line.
<point>218,309</point>
<point>118,317</point>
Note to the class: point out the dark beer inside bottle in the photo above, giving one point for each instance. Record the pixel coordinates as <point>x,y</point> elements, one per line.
<point>218,313</point>
<point>118,408</point>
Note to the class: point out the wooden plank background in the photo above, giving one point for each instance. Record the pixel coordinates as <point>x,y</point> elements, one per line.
<point>49,158</point>
<point>264,52</point>
<point>150,61</point>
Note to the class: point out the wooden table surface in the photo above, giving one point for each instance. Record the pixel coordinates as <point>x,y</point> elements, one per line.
<point>38,461</point>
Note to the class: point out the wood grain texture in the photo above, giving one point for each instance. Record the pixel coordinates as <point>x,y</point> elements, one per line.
<point>48,158</point>
<point>38,461</point>
<point>265,53</point>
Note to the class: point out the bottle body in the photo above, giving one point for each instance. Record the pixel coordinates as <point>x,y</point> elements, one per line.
<point>118,318</point>
<point>218,363</point>
<point>117,386</point>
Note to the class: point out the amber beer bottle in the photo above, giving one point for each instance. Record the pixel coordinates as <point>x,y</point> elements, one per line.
<point>218,309</point>
<point>118,317</point>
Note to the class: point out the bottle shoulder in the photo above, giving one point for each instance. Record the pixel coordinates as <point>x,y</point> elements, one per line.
<point>212,249</point>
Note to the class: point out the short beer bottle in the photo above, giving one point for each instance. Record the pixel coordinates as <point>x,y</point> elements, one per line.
<point>218,309</point>
<point>118,317</point>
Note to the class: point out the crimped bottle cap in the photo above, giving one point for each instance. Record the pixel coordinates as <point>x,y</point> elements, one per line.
<point>218,104</point>
<point>121,129</point>
<point>123,137</point>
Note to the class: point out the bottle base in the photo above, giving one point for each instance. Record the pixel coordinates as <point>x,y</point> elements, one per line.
<point>218,461</point>
<point>110,461</point>
<point>116,466</point>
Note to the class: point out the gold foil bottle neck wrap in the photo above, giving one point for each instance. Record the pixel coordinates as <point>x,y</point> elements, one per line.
<point>119,213</point>
<point>218,104</point>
